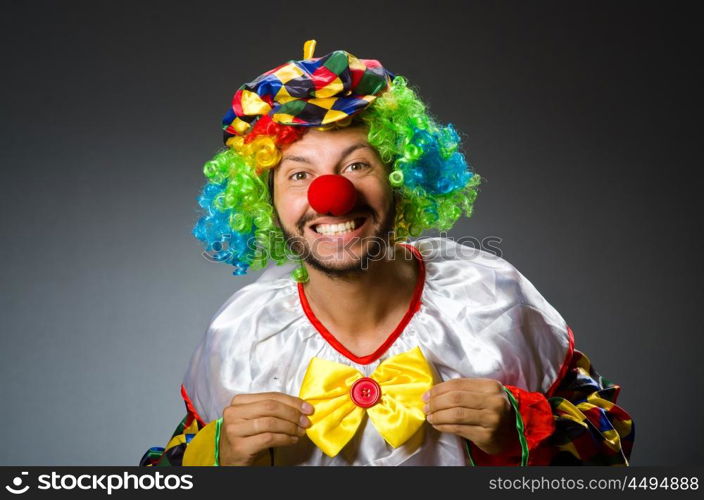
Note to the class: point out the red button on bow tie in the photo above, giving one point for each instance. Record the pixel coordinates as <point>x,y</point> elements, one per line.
<point>365,392</point>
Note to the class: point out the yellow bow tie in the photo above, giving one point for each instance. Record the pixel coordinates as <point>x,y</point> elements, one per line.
<point>392,397</point>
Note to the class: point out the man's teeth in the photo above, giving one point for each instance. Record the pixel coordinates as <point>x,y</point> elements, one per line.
<point>333,229</point>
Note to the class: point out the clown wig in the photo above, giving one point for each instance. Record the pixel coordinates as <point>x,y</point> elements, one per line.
<point>433,182</point>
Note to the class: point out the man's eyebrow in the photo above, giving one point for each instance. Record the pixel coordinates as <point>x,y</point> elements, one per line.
<point>301,159</point>
<point>353,148</point>
<point>345,153</point>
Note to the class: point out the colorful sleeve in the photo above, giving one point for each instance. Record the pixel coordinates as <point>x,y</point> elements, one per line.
<point>192,443</point>
<point>576,423</point>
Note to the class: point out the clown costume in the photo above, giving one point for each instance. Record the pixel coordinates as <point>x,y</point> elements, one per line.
<point>472,315</point>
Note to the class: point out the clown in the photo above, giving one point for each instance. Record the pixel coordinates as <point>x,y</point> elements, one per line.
<point>361,347</point>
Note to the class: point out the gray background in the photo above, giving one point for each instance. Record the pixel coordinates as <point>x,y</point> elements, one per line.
<point>581,117</point>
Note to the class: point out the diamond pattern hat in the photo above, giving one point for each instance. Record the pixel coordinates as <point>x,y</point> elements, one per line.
<point>312,92</point>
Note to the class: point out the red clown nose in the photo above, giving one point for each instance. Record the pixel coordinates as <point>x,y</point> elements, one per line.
<point>332,194</point>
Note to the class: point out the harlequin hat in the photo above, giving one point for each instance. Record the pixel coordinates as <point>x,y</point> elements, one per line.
<point>312,92</point>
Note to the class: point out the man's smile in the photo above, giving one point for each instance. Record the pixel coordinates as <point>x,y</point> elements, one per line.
<point>338,229</point>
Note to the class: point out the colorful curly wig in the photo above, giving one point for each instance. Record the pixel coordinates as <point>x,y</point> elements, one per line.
<point>427,169</point>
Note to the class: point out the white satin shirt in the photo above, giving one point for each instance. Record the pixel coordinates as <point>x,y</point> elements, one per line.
<point>478,317</point>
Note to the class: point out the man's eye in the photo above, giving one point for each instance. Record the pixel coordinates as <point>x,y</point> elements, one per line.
<point>298,176</point>
<point>357,166</point>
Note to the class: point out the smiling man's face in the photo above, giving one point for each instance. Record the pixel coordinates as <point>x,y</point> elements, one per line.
<point>325,245</point>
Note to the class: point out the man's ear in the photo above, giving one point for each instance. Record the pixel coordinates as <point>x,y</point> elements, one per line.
<point>270,184</point>
<point>395,197</point>
<point>277,222</point>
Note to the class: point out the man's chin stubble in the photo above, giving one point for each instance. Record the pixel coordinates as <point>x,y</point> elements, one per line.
<point>358,266</point>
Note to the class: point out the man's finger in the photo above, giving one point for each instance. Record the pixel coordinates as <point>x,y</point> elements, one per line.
<point>472,432</point>
<point>270,440</point>
<point>266,408</point>
<point>246,428</point>
<point>484,385</point>
<point>253,445</point>
<point>287,399</point>
<point>459,416</point>
<point>452,399</point>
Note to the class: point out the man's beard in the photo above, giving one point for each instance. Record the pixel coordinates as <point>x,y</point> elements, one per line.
<point>375,250</point>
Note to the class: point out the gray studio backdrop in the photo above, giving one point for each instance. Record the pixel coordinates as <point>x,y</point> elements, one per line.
<point>579,116</point>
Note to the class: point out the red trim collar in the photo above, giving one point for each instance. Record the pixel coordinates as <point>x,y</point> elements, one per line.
<point>191,410</point>
<point>565,363</point>
<point>369,358</point>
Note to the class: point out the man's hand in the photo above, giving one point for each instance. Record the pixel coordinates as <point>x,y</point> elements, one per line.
<point>476,409</point>
<point>255,422</point>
